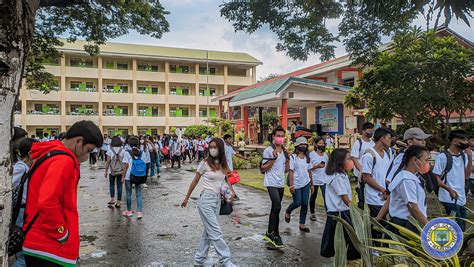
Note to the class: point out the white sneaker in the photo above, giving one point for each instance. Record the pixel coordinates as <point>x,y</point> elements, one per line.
<point>144,186</point>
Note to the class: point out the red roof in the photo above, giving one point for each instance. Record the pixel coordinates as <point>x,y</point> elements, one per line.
<point>291,74</point>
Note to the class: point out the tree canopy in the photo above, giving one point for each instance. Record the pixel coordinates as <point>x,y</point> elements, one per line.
<point>304,27</point>
<point>421,79</point>
<point>95,21</point>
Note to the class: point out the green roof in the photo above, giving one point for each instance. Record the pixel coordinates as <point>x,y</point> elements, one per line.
<point>165,52</point>
<point>278,85</point>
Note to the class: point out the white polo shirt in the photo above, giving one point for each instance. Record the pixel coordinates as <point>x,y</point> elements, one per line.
<point>301,169</point>
<point>395,165</point>
<point>358,152</point>
<point>275,177</point>
<point>229,153</point>
<point>318,175</point>
<point>378,172</point>
<point>337,185</point>
<point>406,188</point>
<point>454,179</point>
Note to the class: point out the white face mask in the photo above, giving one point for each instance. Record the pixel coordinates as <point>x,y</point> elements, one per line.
<point>142,141</point>
<point>214,152</point>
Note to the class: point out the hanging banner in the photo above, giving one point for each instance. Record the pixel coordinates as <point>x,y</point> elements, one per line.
<point>328,118</point>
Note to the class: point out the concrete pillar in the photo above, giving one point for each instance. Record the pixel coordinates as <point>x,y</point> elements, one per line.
<point>62,93</point>
<point>254,74</point>
<point>245,114</point>
<point>134,97</point>
<point>310,116</point>
<point>221,109</point>
<point>196,95</point>
<point>229,113</point>
<point>100,86</point>
<point>167,93</point>
<point>284,113</point>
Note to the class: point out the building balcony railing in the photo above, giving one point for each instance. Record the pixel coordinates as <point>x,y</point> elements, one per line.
<point>115,112</point>
<point>83,113</point>
<point>83,89</point>
<point>115,90</point>
<point>150,91</point>
<point>38,112</point>
<point>149,113</point>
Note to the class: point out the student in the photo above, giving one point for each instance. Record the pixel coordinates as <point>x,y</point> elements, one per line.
<point>105,147</point>
<point>412,136</point>
<point>93,157</point>
<point>338,198</point>
<point>230,152</point>
<point>150,142</point>
<point>318,158</point>
<point>176,152</point>
<point>407,192</point>
<point>275,164</point>
<point>201,148</point>
<point>470,181</point>
<point>114,170</point>
<point>145,150</point>
<point>300,182</point>
<point>45,137</point>
<point>212,171</point>
<point>157,144</point>
<point>374,175</point>
<point>21,166</point>
<point>128,157</point>
<point>52,197</point>
<point>452,192</point>
<point>358,150</point>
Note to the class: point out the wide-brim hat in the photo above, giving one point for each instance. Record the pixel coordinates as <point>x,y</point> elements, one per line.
<point>301,141</point>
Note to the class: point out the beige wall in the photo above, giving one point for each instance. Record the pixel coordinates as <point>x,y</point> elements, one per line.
<point>100,76</point>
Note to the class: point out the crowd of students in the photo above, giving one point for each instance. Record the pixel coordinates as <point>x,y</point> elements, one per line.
<point>388,183</point>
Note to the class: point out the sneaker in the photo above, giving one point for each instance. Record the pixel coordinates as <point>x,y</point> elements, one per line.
<point>139,215</point>
<point>127,213</point>
<point>144,186</point>
<point>279,242</point>
<point>270,238</point>
<point>159,175</point>
<point>313,217</point>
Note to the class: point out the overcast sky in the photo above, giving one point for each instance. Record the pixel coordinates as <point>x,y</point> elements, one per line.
<point>198,24</point>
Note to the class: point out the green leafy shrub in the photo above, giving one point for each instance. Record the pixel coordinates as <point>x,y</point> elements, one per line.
<point>196,130</point>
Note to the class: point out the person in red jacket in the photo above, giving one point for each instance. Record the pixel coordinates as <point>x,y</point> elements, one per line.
<point>53,239</point>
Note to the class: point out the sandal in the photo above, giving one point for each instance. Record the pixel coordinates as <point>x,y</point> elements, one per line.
<point>117,206</point>
<point>304,229</point>
<point>313,217</point>
<point>111,203</point>
<point>287,217</point>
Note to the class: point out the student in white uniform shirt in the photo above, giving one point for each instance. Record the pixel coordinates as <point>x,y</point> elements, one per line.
<point>212,171</point>
<point>471,178</point>
<point>275,164</point>
<point>359,147</point>
<point>300,182</point>
<point>127,168</point>
<point>114,171</point>
<point>318,158</point>
<point>452,192</point>
<point>338,198</point>
<point>375,192</point>
<point>407,191</point>
<point>412,136</point>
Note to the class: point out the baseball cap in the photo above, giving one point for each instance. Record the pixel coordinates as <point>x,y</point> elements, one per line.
<point>415,132</point>
<point>301,141</point>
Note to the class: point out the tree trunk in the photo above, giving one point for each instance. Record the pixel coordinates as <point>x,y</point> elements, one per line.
<point>17,18</point>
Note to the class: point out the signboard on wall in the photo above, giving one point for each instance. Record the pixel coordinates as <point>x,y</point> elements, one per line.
<point>351,122</point>
<point>328,118</point>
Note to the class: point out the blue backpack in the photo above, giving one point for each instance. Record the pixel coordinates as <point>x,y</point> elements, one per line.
<point>138,173</point>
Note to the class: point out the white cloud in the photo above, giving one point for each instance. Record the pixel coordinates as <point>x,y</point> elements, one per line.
<point>197,24</point>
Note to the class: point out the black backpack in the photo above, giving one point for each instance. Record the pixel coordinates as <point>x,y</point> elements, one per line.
<point>16,234</point>
<point>430,178</point>
<point>268,159</point>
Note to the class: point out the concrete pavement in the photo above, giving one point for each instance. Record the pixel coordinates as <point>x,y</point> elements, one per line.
<point>168,234</point>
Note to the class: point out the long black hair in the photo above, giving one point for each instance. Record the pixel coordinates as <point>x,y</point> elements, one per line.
<point>220,158</point>
<point>413,151</point>
<point>116,142</point>
<point>336,161</point>
<point>133,142</point>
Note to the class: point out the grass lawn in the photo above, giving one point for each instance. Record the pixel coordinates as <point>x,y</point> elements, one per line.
<point>253,178</point>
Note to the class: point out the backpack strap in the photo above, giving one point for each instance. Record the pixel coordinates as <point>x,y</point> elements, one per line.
<point>360,144</point>
<point>27,176</point>
<point>374,157</point>
<point>448,167</point>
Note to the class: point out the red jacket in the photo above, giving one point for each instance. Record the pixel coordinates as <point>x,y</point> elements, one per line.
<point>52,193</point>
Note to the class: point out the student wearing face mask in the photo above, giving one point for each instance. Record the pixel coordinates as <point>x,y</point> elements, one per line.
<point>407,191</point>
<point>23,163</point>
<point>452,182</point>
<point>212,171</point>
<point>52,197</point>
<point>274,165</point>
<point>300,181</point>
<point>338,198</point>
<point>318,158</point>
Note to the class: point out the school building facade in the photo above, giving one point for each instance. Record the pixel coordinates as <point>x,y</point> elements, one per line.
<point>314,95</point>
<point>134,89</point>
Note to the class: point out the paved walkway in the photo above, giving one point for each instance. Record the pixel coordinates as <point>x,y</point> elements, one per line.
<point>168,234</point>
